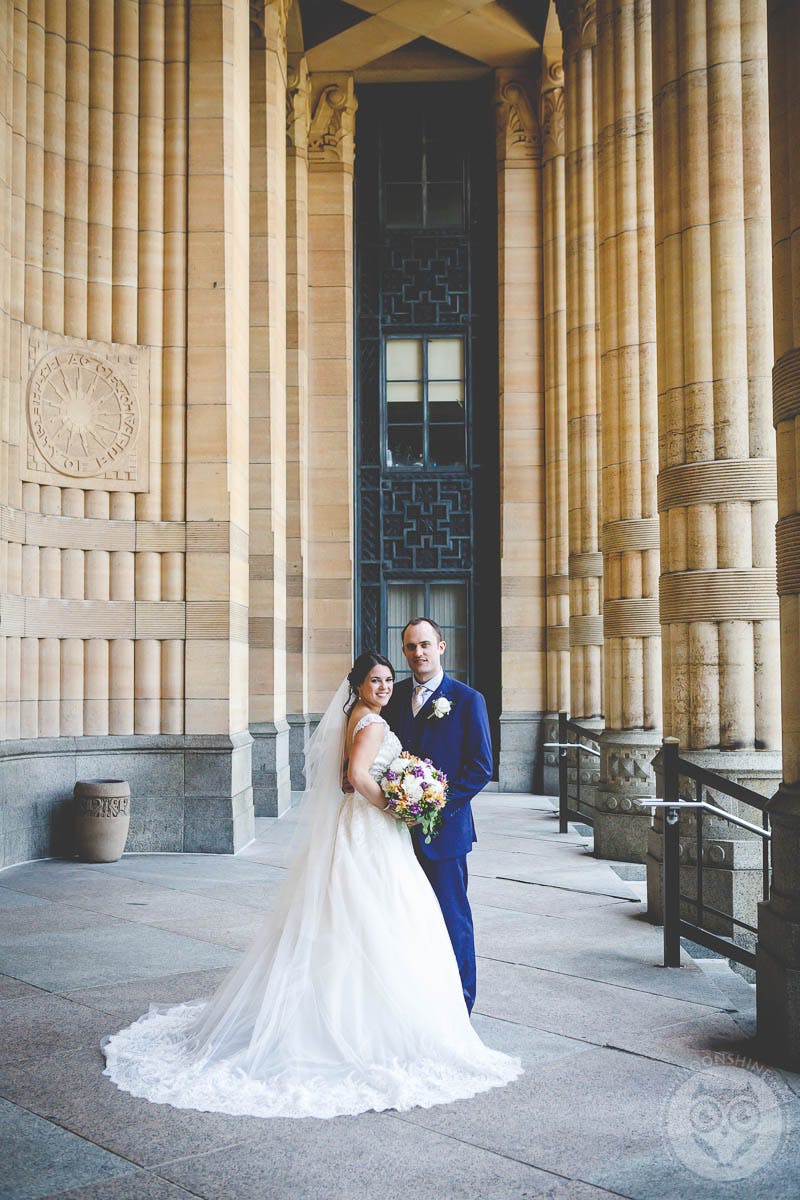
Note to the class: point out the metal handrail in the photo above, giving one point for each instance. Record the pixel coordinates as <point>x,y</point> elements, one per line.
<point>565,811</point>
<point>712,808</point>
<point>571,746</point>
<point>673,766</point>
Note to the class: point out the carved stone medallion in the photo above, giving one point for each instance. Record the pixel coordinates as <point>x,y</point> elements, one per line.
<point>84,417</point>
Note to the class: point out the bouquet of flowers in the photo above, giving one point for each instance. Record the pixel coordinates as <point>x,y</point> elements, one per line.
<point>415,789</point>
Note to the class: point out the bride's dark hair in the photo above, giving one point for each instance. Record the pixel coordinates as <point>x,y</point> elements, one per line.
<point>359,672</point>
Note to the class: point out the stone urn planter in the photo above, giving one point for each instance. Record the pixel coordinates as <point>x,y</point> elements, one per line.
<point>101,816</point>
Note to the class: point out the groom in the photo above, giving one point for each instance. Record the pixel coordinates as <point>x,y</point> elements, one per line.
<point>437,717</point>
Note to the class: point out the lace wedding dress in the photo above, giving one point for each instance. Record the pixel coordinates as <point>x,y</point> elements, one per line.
<point>348,1000</point>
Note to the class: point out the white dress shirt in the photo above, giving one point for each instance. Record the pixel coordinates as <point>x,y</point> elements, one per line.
<point>427,690</point>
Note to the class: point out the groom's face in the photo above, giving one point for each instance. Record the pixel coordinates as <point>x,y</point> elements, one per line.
<point>423,650</point>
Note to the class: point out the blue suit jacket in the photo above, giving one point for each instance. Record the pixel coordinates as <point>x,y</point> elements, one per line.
<point>459,744</point>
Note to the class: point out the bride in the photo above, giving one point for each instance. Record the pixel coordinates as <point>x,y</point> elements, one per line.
<point>350,997</point>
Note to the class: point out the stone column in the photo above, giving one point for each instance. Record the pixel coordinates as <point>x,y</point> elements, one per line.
<point>583,399</point>
<point>268,725</point>
<point>555,408</point>
<point>329,621</point>
<point>778,968</point>
<point>297,118</point>
<point>521,385</point>
<point>629,425</point>
<point>218,791</point>
<point>716,483</point>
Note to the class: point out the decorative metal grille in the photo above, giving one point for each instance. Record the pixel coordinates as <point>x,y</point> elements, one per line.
<point>425,281</point>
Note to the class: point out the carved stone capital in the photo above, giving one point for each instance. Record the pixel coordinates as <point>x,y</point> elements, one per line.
<point>552,123</point>
<point>332,128</point>
<point>518,135</point>
<point>298,101</point>
<point>268,21</point>
<point>578,19</point>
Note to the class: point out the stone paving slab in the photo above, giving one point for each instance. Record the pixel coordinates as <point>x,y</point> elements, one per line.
<point>47,1159</point>
<point>355,1158</point>
<point>37,1025</point>
<point>569,978</point>
<point>84,958</point>
<point>140,1185</point>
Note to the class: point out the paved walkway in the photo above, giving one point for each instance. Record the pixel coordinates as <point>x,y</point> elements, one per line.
<point>638,1079</point>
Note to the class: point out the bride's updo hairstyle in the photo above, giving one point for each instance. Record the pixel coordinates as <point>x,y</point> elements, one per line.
<point>360,670</point>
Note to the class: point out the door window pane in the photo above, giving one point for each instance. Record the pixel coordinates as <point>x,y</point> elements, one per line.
<point>403,601</point>
<point>405,448</point>
<point>403,393</point>
<point>402,205</point>
<point>450,391</point>
<point>446,445</point>
<point>446,603</point>
<point>403,358</point>
<point>445,206</point>
<point>446,358</point>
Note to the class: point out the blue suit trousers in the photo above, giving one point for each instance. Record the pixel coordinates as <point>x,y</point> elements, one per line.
<point>448,878</point>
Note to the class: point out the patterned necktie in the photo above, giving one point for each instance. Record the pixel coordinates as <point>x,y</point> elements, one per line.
<point>417,700</point>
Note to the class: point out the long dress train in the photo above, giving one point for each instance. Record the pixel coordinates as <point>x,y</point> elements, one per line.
<point>348,1000</point>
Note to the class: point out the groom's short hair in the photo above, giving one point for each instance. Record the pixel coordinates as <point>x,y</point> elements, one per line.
<point>419,621</point>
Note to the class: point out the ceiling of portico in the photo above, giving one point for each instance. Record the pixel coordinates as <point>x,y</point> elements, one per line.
<point>387,41</point>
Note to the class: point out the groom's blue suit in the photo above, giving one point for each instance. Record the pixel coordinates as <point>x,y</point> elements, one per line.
<point>460,745</point>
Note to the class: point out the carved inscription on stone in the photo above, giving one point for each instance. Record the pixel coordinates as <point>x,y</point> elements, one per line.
<point>86,413</point>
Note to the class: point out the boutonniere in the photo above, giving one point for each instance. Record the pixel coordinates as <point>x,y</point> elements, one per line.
<point>440,708</point>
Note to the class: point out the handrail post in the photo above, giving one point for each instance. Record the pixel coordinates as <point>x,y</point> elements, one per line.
<point>671,856</point>
<point>562,773</point>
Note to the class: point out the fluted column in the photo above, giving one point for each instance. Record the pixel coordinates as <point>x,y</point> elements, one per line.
<point>268,723</point>
<point>219,809</point>
<point>629,426</point>
<point>583,393</point>
<point>521,387</point>
<point>555,407</point>
<point>778,967</point>
<point>297,118</point>
<point>716,483</point>
<point>329,623</point>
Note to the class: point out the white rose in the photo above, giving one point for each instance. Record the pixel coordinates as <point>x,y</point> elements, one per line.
<point>412,788</point>
<point>398,765</point>
<point>441,706</point>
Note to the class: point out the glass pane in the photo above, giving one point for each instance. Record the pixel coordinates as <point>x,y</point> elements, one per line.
<point>403,601</point>
<point>445,358</point>
<point>448,606</point>
<point>403,358</point>
<point>444,160</point>
<point>444,414</point>
<point>403,393</point>
<point>450,394</point>
<point>401,158</point>
<point>445,205</point>
<point>402,205</point>
<point>405,446</point>
<point>446,445</point>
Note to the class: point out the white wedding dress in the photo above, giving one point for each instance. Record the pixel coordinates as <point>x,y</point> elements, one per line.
<point>348,1000</point>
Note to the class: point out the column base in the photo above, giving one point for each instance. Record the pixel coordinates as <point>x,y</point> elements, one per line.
<point>188,793</point>
<point>621,826</point>
<point>271,773</point>
<point>549,757</point>
<point>732,879</point>
<point>298,741</point>
<point>519,763</point>
<point>778,953</point>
